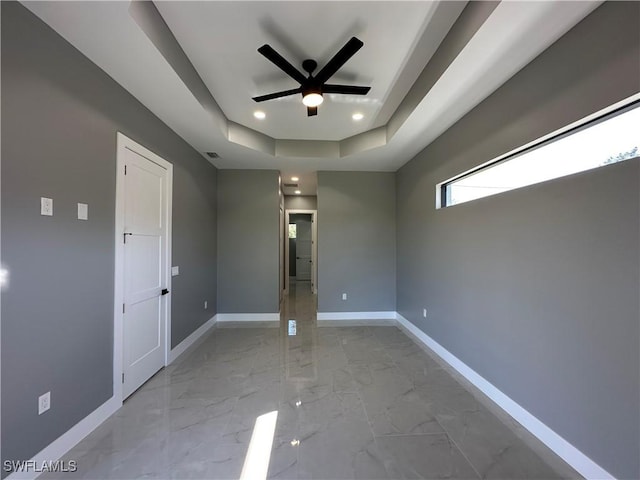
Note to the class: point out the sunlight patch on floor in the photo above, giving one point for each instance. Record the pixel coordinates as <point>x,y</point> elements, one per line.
<point>256,463</point>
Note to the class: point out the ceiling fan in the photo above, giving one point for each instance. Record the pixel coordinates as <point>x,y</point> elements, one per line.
<point>313,87</point>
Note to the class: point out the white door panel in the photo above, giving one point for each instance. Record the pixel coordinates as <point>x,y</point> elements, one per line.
<point>145,251</point>
<point>303,249</point>
<point>149,318</point>
<point>143,264</point>
<point>144,212</point>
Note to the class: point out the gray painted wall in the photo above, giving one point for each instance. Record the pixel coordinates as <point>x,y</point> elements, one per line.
<point>194,249</point>
<point>60,115</point>
<point>356,241</point>
<point>248,241</point>
<point>537,289</point>
<point>305,202</point>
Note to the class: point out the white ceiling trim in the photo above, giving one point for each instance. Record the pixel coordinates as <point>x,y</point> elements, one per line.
<point>514,34</point>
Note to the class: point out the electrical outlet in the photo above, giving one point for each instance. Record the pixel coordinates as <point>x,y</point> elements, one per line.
<point>344,296</point>
<point>46,206</point>
<point>206,304</point>
<point>424,312</point>
<point>44,403</point>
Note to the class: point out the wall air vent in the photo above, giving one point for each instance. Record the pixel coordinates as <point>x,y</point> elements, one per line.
<point>212,155</point>
<point>290,185</point>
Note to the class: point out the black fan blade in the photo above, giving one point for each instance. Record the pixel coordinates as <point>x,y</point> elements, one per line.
<point>311,111</point>
<point>339,59</point>
<point>282,63</point>
<point>347,89</point>
<point>271,96</point>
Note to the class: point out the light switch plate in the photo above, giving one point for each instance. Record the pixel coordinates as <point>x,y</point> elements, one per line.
<point>175,271</point>
<point>46,206</point>
<point>83,211</point>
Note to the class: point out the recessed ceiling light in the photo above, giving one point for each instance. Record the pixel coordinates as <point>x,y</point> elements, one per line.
<point>294,179</point>
<point>298,192</point>
<point>357,116</point>
<point>259,114</point>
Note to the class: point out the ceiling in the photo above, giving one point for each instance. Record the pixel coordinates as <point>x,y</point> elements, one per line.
<point>196,66</point>
<point>221,40</point>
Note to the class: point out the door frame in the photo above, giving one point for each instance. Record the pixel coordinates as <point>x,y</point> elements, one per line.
<point>124,143</point>
<point>314,247</point>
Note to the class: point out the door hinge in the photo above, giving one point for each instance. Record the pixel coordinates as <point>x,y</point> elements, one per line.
<point>123,378</point>
<point>124,236</point>
<point>123,308</point>
<point>125,169</point>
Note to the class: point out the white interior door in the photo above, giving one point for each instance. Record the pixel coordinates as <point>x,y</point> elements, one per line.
<point>145,276</point>
<point>303,249</point>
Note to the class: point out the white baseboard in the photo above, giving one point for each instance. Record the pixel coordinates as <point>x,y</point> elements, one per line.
<point>570,454</point>
<point>192,339</point>
<point>356,316</point>
<point>247,317</point>
<point>376,322</point>
<point>59,447</point>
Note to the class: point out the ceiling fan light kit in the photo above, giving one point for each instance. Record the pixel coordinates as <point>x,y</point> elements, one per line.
<point>312,99</point>
<point>313,87</point>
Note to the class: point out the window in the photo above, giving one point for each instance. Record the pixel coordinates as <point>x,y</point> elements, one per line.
<point>609,138</point>
<point>292,230</point>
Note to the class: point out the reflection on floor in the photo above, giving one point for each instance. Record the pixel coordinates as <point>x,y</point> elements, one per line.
<point>351,402</point>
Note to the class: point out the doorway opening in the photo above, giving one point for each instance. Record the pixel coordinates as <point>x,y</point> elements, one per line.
<point>301,250</point>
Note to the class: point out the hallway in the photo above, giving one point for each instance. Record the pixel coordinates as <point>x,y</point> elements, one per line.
<point>352,402</point>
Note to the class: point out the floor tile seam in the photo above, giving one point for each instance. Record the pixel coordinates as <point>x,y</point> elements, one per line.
<point>229,415</point>
<point>379,449</point>
<point>364,408</point>
<point>435,417</point>
<point>406,375</point>
<point>253,362</point>
<point>411,341</point>
<point>375,441</point>
<point>462,452</point>
<point>480,399</point>
<point>297,433</point>
<point>432,434</point>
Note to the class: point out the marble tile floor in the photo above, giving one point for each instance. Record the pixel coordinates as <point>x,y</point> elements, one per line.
<point>360,402</point>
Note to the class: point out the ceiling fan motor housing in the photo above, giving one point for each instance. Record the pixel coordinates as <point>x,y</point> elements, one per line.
<point>309,66</point>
